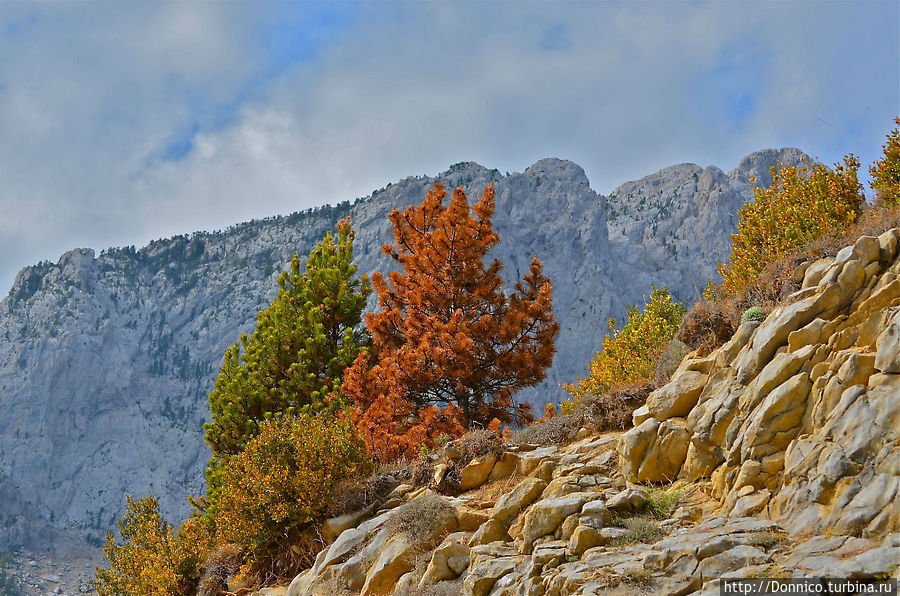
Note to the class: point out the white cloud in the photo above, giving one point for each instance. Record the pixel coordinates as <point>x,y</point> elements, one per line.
<point>97,95</point>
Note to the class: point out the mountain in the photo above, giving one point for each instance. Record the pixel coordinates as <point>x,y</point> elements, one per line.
<point>106,360</point>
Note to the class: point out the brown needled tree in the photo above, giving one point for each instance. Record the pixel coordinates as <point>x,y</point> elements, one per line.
<point>449,347</point>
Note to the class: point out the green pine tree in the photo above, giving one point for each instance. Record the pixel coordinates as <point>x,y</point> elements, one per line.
<point>293,363</point>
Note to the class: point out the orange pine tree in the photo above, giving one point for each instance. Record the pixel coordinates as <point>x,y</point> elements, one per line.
<point>449,347</point>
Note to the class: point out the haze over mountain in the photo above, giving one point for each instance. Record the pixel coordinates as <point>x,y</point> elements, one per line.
<point>106,360</point>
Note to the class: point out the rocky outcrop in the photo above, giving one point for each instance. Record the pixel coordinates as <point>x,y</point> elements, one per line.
<point>584,530</point>
<point>777,453</point>
<point>796,418</point>
<point>106,360</point>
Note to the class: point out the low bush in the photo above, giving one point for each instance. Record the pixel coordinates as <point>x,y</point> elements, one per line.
<point>629,356</point>
<point>421,519</point>
<point>221,564</point>
<point>152,558</point>
<point>802,204</point>
<point>712,320</point>
<point>754,313</point>
<point>886,172</point>
<point>353,494</point>
<point>661,503</point>
<point>640,530</point>
<point>596,413</point>
<point>283,480</point>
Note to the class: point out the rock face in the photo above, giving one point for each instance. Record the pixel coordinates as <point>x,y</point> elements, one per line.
<point>797,416</point>
<point>585,533</point>
<point>106,360</point>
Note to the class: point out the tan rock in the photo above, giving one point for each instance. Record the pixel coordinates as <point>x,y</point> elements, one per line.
<point>640,415</point>
<point>565,529</point>
<point>857,369</point>
<point>560,487</point>
<point>887,359</point>
<point>782,367</point>
<point>489,564</point>
<point>776,420</point>
<point>504,467</point>
<point>725,355</point>
<point>633,446</point>
<point>440,471</point>
<point>545,470</point>
<point>867,249</point>
<point>470,519</point>
<point>583,538</point>
<point>491,530</point>
<point>809,334</point>
<point>815,272</point>
<point>525,493</point>
<point>477,471</point>
<point>406,583</point>
<point>332,528</point>
<point>395,559</point>
<point>543,517</point>
<point>851,279</point>
<point>663,455</point>
<point>750,504</point>
<point>596,514</point>
<point>447,562</point>
<point>630,500</point>
<point>774,331</point>
<point>678,396</point>
<point>888,243</point>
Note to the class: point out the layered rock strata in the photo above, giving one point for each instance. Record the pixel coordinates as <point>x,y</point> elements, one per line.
<point>795,418</point>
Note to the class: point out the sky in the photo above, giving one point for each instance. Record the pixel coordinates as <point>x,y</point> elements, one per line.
<point>121,123</point>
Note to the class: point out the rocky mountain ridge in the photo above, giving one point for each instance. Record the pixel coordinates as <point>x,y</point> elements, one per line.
<point>106,360</point>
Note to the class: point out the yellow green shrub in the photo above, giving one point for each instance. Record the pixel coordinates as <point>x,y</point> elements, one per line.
<point>886,172</point>
<point>152,558</point>
<point>803,204</point>
<point>283,479</point>
<point>629,356</point>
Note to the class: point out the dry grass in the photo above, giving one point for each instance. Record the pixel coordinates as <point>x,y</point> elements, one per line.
<point>640,530</point>
<point>284,559</point>
<point>421,519</point>
<point>222,563</point>
<point>492,491</point>
<point>597,413</point>
<point>358,493</point>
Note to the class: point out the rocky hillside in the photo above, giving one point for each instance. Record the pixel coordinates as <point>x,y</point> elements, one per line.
<point>774,456</point>
<point>106,360</point>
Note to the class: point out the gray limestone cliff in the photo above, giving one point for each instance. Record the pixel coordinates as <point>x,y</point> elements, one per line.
<point>106,360</point>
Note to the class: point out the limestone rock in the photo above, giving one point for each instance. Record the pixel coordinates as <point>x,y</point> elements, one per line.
<point>545,516</point>
<point>448,560</point>
<point>677,397</point>
<point>477,471</point>
<point>887,359</point>
<point>524,494</point>
<point>488,565</point>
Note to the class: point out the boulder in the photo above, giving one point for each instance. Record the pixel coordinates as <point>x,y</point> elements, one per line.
<point>448,560</point>
<point>524,494</point>
<point>546,515</point>
<point>678,396</point>
<point>477,471</point>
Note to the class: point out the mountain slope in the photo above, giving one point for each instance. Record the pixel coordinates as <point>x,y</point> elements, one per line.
<point>106,361</point>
